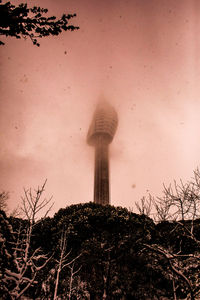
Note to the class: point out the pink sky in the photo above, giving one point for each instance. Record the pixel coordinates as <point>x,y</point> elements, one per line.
<point>143,55</point>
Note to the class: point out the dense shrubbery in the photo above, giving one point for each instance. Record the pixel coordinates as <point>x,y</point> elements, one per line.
<point>112,250</point>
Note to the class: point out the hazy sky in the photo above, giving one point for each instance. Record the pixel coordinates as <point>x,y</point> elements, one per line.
<point>143,55</point>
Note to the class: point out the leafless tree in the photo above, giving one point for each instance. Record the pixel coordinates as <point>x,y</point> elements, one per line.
<point>179,202</point>
<point>175,268</point>
<point>144,206</point>
<point>16,212</point>
<point>64,262</point>
<point>4,196</point>
<point>73,273</point>
<point>27,263</point>
<point>180,205</point>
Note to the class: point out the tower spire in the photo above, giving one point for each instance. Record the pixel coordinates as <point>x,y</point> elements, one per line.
<point>100,135</point>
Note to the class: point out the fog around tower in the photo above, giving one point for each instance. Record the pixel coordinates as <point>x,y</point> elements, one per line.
<point>104,122</point>
<point>143,56</point>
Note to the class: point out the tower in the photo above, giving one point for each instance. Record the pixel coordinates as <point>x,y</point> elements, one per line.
<point>100,135</point>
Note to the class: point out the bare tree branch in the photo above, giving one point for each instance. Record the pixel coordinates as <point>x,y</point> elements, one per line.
<point>27,262</point>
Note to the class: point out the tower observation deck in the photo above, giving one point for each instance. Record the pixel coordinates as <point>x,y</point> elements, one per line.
<point>100,135</point>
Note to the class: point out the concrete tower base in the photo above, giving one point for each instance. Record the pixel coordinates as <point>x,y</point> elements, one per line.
<point>101,174</point>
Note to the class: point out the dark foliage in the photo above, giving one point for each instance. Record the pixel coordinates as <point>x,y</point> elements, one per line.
<point>174,235</point>
<point>114,258</point>
<point>21,21</point>
<point>111,241</point>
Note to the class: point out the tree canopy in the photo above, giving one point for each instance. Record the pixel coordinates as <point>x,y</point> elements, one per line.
<point>102,252</point>
<point>90,251</point>
<point>23,22</point>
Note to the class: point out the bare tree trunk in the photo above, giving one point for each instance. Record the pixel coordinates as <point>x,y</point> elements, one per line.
<point>63,262</point>
<point>174,289</point>
<point>57,281</point>
<point>70,283</point>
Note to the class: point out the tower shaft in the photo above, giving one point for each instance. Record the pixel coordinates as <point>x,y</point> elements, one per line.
<point>101,174</point>
<point>100,134</point>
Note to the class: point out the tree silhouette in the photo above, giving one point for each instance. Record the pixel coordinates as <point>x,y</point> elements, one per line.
<point>21,21</point>
<point>4,196</point>
<point>64,262</point>
<point>27,263</point>
<point>177,215</point>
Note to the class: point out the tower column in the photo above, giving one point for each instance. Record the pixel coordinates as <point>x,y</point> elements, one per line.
<point>101,173</point>
<point>100,134</point>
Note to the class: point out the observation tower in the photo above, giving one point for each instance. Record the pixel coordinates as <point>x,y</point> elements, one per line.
<point>100,135</point>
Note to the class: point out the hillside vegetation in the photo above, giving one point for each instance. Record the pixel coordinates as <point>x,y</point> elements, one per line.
<point>89,251</point>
